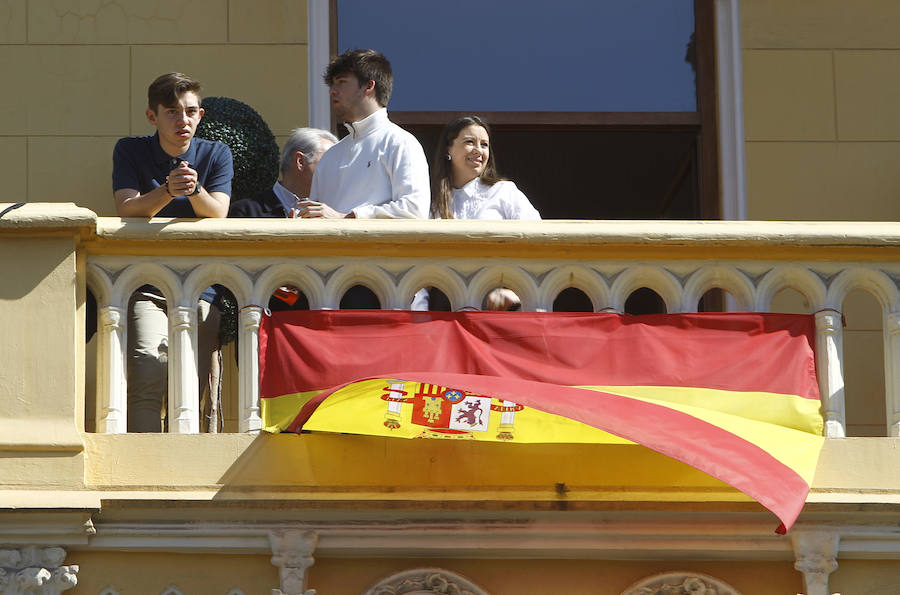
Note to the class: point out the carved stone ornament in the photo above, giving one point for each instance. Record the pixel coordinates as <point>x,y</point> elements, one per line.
<point>680,583</point>
<point>292,554</point>
<point>425,581</point>
<point>34,570</point>
<point>815,553</point>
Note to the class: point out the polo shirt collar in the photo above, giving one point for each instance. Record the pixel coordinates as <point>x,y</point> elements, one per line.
<point>368,124</point>
<point>168,162</point>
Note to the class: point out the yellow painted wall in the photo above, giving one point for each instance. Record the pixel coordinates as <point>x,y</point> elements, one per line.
<point>140,573</point>
<point>872,577</point>
<point>820,92</point>
<point>573,577</point>
<point>40,404</point>
<point>821,115</point>
<point>216,574</point>
<point>81,70</point>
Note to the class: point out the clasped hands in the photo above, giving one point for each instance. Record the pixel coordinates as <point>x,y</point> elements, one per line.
<point>182,181</point>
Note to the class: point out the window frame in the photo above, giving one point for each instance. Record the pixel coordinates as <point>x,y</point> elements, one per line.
<point>718,120</point>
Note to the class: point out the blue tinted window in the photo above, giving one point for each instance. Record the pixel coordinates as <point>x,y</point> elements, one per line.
<point>515,55</point>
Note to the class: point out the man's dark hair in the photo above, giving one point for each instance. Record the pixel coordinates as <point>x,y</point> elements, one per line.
<point>365,65</point>
<point>168,88</point>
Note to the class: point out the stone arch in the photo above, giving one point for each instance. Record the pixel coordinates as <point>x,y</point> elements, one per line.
<point>441,277</point>
<point>871,280</point>
<point>508,276</point>
<point>228,275</point>
<point>680,583</point>
<point>658,279</point>
<point>425,581</point>
<point>302,277</point>
<point>171,590</point>
<point>583,278</point>
<point>783,277</point>
<point>373,277</point>
<point>146,273</point>
<point>99,283</point>
<point>730,279</point>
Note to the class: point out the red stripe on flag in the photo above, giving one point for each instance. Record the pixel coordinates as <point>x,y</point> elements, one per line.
<point>743,352</point>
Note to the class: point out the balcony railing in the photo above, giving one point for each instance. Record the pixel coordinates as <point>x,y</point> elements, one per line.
<point>608,261</point>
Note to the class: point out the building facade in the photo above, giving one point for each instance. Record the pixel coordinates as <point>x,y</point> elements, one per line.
<point>806,136</point>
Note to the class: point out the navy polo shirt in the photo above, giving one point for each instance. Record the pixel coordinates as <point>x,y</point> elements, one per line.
<point>140,163</point>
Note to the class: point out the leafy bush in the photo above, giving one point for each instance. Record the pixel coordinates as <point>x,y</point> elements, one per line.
<point>252,143</point>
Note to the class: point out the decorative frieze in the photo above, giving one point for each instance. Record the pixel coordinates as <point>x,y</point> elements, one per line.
<point>420,581</point>
<point>680,583</point>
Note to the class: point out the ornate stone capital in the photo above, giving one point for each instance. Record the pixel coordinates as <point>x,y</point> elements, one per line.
<point>182,317</point>
<point>828,321</point>
<point>111,318</point>
<point>292,551</point>
<point>251,317</point>
<point>35,570</point>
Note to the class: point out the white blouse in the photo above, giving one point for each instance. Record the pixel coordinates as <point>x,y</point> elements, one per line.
<point>503,200</point>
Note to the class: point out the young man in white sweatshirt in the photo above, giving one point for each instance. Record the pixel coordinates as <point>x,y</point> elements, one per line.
<point>378,169</point>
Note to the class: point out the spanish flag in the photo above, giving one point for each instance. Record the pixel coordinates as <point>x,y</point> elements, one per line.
<point>733,395</point>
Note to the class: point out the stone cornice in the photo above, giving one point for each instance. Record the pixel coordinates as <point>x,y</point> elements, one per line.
<point>45,216</point>
<point>721,537</point>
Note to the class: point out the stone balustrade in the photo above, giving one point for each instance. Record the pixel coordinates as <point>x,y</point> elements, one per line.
<point>608,261</point>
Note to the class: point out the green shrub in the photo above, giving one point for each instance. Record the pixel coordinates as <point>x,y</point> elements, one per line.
<point>252,143</point>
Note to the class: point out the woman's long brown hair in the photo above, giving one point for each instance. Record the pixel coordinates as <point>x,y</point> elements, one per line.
<point>441,188</point>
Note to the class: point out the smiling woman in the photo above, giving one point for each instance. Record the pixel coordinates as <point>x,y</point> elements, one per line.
<point>465,185</point>
<point>464,179</point>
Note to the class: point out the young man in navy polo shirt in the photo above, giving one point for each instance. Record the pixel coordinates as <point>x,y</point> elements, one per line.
<point>172,174</point>
<point>168,174</point>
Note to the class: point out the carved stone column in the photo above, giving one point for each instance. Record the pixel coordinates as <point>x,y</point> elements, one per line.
<point>892,371</point>
<point>248,364</point>
<point>112,397</point>
<point>184,400</point>
<point>815,554</point>
<point>35,570</point>
<point>292,551</point>
<point>830,369</point>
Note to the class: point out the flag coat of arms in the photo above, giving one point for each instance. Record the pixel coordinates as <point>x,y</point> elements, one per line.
<point>734,395</point>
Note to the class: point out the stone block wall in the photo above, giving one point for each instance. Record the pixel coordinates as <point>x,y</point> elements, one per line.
<point>76,73</point>
<point>821,97</point>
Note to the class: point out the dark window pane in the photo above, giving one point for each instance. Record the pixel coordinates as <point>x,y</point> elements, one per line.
<point>576,55</point>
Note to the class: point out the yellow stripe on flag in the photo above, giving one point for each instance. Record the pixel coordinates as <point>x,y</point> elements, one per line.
<point>360,409</point>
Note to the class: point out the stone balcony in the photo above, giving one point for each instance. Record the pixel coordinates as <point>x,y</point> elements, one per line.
<point>229,491</point>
